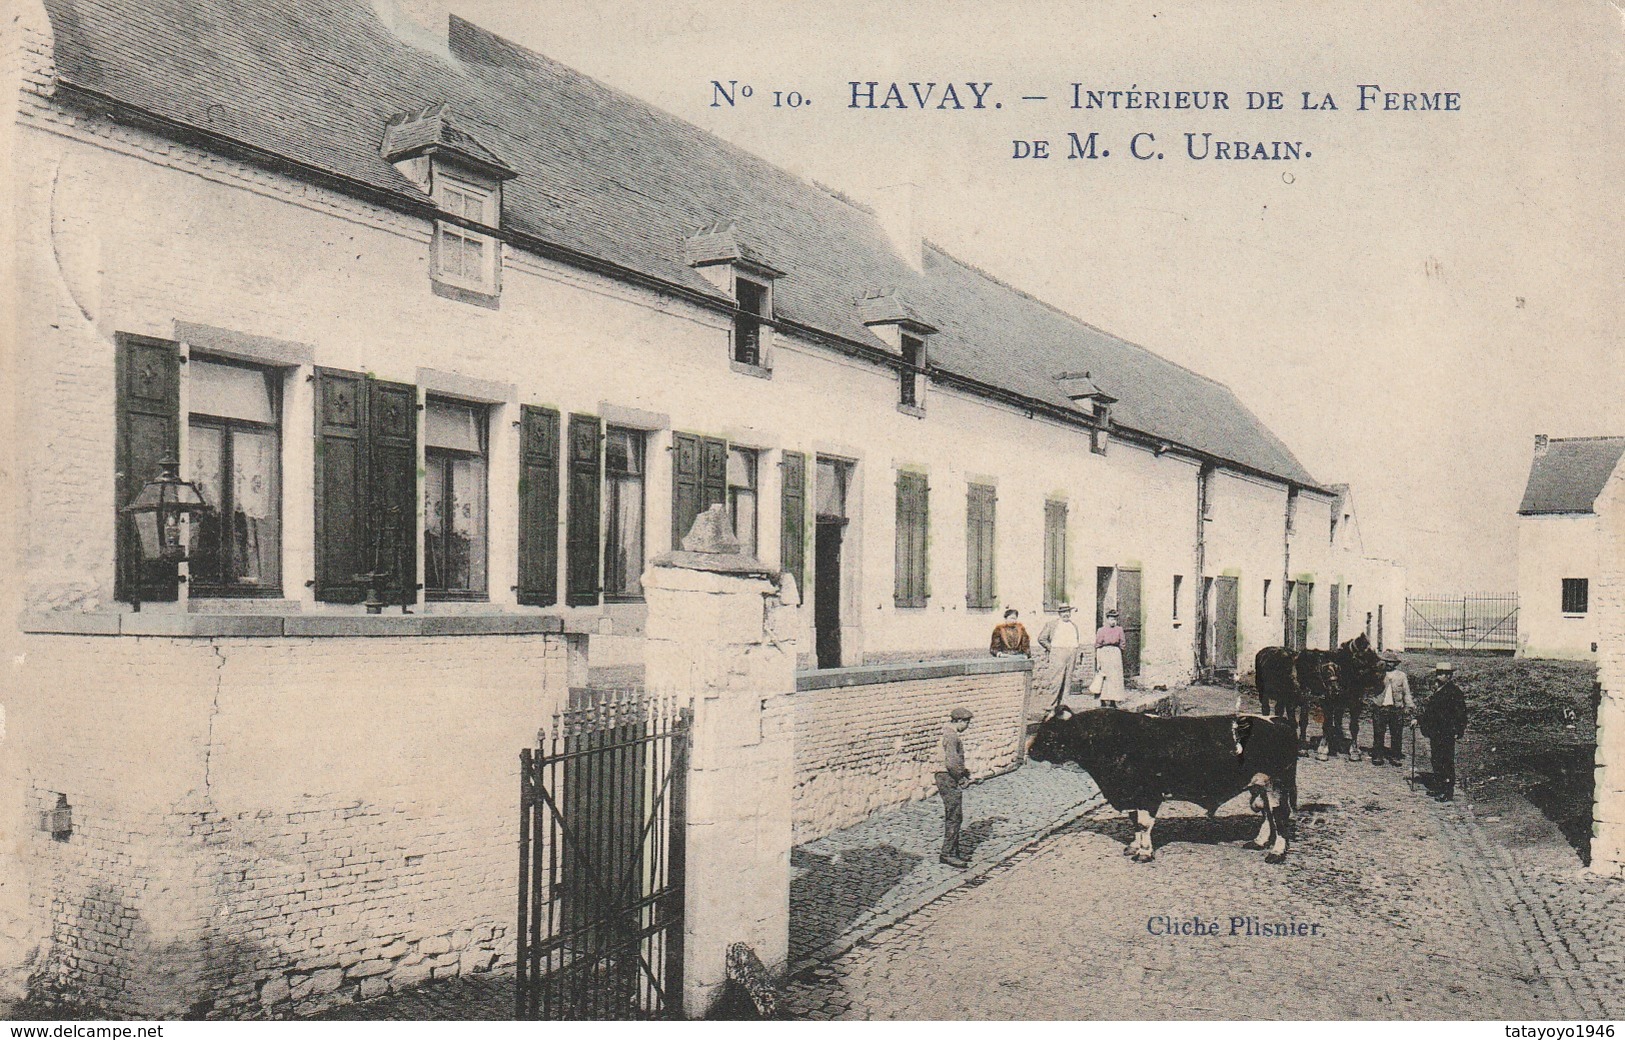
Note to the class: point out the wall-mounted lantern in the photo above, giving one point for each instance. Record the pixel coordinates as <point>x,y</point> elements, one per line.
<point>164,511</point>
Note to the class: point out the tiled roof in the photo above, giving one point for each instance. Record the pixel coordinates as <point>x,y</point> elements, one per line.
<point>1569,475</point>
<point>607,177</point>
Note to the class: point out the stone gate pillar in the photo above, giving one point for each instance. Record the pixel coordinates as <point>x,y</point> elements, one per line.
<point>721,631</point>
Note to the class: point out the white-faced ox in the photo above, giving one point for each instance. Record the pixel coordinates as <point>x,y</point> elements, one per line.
<point>1140,761</point>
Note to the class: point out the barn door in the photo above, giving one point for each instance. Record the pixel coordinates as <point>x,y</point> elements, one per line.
<point>1225,604</point>
<point>1128,615</point>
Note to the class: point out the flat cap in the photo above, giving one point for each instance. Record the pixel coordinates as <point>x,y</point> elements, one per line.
<point>1444,666</point>
<point>960,713</point>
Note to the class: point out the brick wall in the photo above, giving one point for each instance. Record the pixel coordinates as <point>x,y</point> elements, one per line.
<point>1608,603</point>
<point>264,826</point>
<point>870,738</point>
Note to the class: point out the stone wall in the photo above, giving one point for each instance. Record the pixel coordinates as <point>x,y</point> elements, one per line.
<point>262,826</point>
<point>871,738</point>
<point>1608,605</point>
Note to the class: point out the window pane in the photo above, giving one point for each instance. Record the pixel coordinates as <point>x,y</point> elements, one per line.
<point>830,488</point>
<point>207,451</point>
<point>447,424</point>
<point>229,392</point>
<point>623,556</point>
<point>623,452</point>
<point>465,552</point>
<point>742,503</point>
<point>256,529</point>
<point>434,524</point>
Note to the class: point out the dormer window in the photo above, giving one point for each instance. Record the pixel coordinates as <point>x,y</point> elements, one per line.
<point>465,258</point>
<point>901,329</point>
<point>912,373</point>
<point>1087,397</point>
<point>723,257</point>
<point>755,310</point>
<point>464,180</point>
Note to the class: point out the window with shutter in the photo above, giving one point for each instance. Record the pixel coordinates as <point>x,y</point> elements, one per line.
<point>581,551</point>
<point>538,507</point>
<point>913,523</point>
<point>1054,554</point>
<point>366,487</point>
<point>699,480</point>
<point>148,405</point>
<point>980,593</point>
<point>793,518</point>
<point>623,517</point>
<point>454,493</point>
<point>234,452</point>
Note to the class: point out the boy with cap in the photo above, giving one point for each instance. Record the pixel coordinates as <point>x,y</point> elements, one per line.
<point>1444,721</point>
<point>951,784</point>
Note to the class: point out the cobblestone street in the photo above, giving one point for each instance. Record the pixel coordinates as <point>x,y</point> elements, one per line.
<point>1422,912</point>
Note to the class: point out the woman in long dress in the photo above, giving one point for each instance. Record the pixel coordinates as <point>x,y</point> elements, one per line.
<point>1109,661</point>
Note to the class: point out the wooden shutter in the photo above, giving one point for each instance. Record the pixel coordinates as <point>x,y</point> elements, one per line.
<point>1129,614</point>
<point>393,485</point>
<point>686,470</point>
<point>979,546</point>
<point>581,550</point>
<point>342,549</point>
<point>1054,554</point>
<point>793,518</point>
<point>149,416</point>
<point>913,522</point>
<point>538,506</point>
<point>699,480</point>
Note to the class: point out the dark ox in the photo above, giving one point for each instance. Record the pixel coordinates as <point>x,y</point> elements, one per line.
<point>1337,681</point>
<point>1139,762</point>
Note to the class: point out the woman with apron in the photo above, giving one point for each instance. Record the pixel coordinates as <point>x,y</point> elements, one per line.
<point>1109,661</point>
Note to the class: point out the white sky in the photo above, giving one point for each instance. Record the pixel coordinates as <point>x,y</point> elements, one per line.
<point>1365,302</point>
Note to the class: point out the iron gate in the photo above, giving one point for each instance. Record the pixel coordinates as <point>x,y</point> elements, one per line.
<point>1461,622</point>
<point>601,861</point>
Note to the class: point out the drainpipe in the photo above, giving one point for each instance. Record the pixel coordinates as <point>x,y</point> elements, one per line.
<point>1286,565</point>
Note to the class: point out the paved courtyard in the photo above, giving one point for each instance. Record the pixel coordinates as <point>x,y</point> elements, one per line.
<point>1417,912</point>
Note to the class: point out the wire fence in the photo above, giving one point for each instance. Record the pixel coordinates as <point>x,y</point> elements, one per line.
<point>1462,622</point>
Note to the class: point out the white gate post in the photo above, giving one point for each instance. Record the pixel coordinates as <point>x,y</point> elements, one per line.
<point>719,631</point>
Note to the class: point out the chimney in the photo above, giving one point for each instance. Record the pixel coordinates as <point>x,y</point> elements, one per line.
<point>424,24</point>
<point>898,211</point>
<point>1542,442</point>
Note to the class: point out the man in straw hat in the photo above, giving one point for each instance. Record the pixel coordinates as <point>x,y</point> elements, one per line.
<point>1060,640</point>
<point>1389,708</point>
<point>1443,722</point>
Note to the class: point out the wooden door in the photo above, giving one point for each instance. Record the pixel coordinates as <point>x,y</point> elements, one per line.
<point>1226,603</point>
<point>1129,616</point>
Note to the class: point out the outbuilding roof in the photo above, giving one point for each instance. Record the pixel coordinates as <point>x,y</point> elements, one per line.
<point>1568,473</point>
<point>603,176</point>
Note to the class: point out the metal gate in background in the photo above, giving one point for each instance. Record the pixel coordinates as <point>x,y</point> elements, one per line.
<point>1461,622</point>
<point>601,861</point>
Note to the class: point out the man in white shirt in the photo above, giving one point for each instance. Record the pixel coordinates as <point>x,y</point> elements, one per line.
<point>1389,710</point>
<point>1060,641</point>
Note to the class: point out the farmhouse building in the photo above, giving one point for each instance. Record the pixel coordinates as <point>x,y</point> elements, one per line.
<point>1560,545</point>
<point>453,340</point>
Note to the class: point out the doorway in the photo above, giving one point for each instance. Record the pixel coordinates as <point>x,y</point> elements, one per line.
<point>1226,601</point>
<point>1119,588</point>
<point>829,495</point>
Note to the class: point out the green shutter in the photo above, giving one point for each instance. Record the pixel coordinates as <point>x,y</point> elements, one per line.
<point>581,555</point>
<point>393,487</point>
<point>979,546</point>
<point>341,486</point>
<point>149,415</point>
<point>1054,554</point>
<point>538,506</point>
<point>793,518</point>
<point>910,588</point>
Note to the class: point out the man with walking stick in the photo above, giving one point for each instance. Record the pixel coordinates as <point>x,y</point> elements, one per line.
<point>1444,721</point>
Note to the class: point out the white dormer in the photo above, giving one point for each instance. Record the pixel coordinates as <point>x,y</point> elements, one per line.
<point>1086,395</point>
<point>896,324</point>
<point>723,258</point>
<point>464,179</point>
